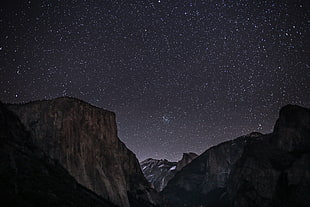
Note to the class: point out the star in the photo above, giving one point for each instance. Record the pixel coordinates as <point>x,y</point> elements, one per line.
<point>194,72</point>
<point>165,119</point>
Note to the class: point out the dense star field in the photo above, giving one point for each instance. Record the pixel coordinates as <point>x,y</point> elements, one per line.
<point>180,75</point>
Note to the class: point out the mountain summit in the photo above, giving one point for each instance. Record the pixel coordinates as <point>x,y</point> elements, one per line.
<point>83,139</point>
<point>159,172</point>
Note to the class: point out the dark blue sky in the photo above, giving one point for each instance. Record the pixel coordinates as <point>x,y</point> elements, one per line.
<point>180,75</point>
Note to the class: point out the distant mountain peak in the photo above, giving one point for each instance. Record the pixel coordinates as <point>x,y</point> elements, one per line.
<point>159,172</point>
<point>186,159</point>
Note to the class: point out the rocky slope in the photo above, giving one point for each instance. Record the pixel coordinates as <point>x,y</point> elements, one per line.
<point>203,181</point>
<point>159,172</point>
<point>30,178</point>
<point>83,139</point>
<point>275,170</point>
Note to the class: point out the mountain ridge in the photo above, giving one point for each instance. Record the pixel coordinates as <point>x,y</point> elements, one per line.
<point>251,170</point>
<point>279,160</point>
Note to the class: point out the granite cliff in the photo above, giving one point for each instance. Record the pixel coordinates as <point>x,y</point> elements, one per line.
<point>83,139</point>
<point>256,170</point>
<point>186,159</point>
<point>203,181</point>
<point>28,177</point>
<point>275,170</point>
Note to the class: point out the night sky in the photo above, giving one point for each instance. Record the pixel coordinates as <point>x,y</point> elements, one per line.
<point>180,75</point>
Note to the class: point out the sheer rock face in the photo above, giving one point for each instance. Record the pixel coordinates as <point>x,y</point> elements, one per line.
<point>186,159</point>
<point>203,180</point>
<point>292,129</point>
<point>28,177</point>
<point>83,138</point>
<point>275,171</point>
<point>255,170</point>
